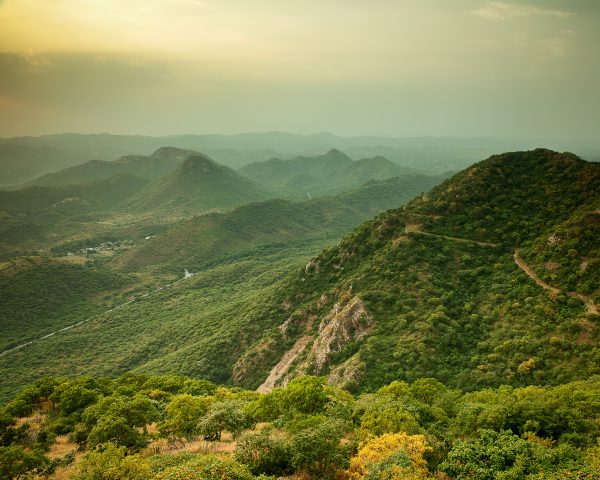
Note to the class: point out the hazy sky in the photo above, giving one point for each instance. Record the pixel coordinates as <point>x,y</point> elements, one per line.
<point>386,67</point>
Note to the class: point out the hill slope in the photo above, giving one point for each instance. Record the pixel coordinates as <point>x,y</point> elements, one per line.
<point>162,161</point>
<point>89,196</point>
<point>428,290</point>
<point>433,289</point>
<point>198,184</point>
<point>206,237</point>
<point>332,172</point>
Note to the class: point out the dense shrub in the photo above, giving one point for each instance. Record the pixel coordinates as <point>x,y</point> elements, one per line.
<point>264,452</point>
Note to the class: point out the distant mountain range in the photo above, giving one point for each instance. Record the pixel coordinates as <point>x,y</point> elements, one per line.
<point>329,173</point>
<point>199,183</point>
<point>162,161</point>
<point>176,180</point>
<point>24,158</point>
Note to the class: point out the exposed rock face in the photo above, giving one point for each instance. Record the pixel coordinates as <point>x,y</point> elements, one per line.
<point>283,366</point>
<point>299,320</point>
<point>257,355</point>
<point>347,321</point>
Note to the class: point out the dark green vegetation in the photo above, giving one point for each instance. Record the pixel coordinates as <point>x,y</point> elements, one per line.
<point>432,289</point>
<point>199,184</point>
<point>196,327</point>
<point>203,238</point>
<point>141,427</point>
<point>241,253</point>
<point>428,290</point>
<point>38,295</point>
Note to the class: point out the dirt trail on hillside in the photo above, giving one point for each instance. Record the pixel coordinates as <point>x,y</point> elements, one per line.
<point>284,364</point>
<point>416,228</point>
<point>592,308</point>
<point>528,270</point>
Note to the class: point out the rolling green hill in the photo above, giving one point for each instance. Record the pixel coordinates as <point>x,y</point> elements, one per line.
<point>38,295</point>
<point>442,287</point>
<point>206,237</point>
<point>199,184</point>
<point>177,328</point>
<point>163,161</point>
<point>332,172</point>
<point>240,254</point>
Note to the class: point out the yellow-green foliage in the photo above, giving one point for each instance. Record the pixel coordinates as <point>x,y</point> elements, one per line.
<point>392,456</point>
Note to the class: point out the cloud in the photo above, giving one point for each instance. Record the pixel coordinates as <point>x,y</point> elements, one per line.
<point>507,11</point>
<point>554,46</point>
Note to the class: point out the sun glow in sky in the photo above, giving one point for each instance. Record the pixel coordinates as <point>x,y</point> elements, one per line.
<point>387,67</point>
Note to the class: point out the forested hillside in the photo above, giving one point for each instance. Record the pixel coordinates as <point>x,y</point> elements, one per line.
<point>204,238</point>
<point>455,337</point>
<point>435,289</point>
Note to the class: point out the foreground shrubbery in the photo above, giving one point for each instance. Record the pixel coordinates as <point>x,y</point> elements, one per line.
<point>401,431</point>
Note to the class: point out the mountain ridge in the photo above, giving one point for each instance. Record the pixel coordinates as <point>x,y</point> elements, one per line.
<point>439,251</point>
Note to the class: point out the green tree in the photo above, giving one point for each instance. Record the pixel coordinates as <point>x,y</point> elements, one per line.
<point>118,419</point>
<point>264,452</point>
<point>317,450</point>
<point>504,456</point>
<point>206,467</point>
<point>382,415</point>
<point>305,395</point>
<point>71,397</point>
<point>16,461</point>
<point>223,416</point>
<point>184,413</point>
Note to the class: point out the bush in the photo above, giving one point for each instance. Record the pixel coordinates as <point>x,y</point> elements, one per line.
<point>207,467</point>
<point>505,456</point>
<point>184,413</point>
<point>391,456</point>
<point>223,416</point>
<point>317,450</point>
<point>112,463</point>
<point>15,461</point>
<point>263,452</point>
<point>305,395</point>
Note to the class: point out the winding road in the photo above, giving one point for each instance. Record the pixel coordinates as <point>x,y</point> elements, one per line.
<point>69,327</point>
<point>592,308</point>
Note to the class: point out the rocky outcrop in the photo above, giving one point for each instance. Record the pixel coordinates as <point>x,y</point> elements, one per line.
<point>347,321</point>
<point>282,367</point>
